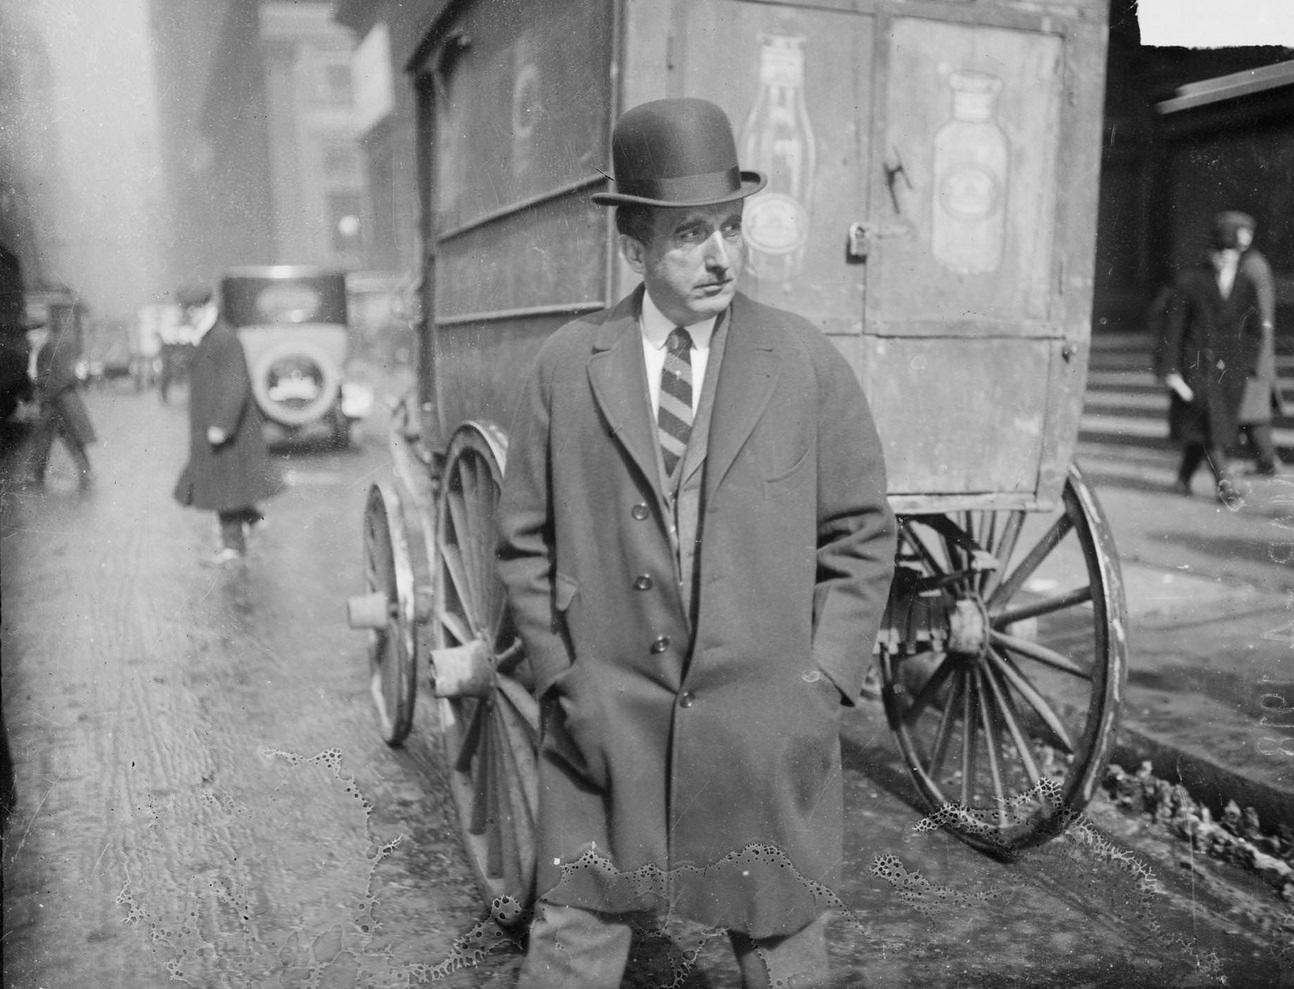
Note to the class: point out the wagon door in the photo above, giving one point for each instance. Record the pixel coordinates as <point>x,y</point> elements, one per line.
<point>979,248</point>
<point>931,206</point>
<point>796,82</point>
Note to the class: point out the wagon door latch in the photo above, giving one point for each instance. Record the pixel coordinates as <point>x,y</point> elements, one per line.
<point>861,236</point>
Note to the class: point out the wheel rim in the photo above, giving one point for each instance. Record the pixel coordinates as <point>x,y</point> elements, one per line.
<point>393,680</point>
<point>490,741</point>
<point>1007,718</point>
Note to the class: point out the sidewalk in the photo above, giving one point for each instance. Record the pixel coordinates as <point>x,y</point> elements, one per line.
<point>1210,699</point>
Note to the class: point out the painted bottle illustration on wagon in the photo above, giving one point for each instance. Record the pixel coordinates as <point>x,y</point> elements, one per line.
<point>971,163</point>
<point>777,139</point>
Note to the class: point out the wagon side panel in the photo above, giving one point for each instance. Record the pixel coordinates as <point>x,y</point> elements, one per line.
<point>515,114</point>
<point>979,256</point>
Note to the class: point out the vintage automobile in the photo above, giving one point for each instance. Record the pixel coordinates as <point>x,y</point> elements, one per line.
<point>292,322</point>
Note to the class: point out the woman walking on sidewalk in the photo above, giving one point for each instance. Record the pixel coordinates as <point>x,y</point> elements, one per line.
<point>1262,399</point>
<point>1211,344</point>
<point>228,471</point>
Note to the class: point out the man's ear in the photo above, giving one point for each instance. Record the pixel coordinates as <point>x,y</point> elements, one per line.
<point>634,253</point>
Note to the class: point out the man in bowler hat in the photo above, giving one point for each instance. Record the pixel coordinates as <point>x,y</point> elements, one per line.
<point>228,470</point>
<point>697,551</point>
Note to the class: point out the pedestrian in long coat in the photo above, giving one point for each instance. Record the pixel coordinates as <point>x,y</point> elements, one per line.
<point>1212,337</point>
<point>694,630</point>
<point>228,470</point>
<point>1262,399</point>
<point>62,412</point>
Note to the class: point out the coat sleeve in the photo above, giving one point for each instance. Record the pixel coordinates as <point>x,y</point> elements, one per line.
<point>1256,268</point>
<point>526,549</point>
<point>856,532</point>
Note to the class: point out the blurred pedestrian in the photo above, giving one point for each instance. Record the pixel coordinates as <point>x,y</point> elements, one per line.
<point>15,351</point>
<point>177,339</point>
<point>1211,344</point>
<point>1262,397</point>
<point>62,413</point>
<point>228,471</point>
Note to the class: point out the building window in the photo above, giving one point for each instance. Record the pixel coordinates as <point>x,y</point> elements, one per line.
<point>346,230</point>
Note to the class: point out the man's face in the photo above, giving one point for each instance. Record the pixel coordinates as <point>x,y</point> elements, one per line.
<point>691,264</point>
<point>1244,237</point>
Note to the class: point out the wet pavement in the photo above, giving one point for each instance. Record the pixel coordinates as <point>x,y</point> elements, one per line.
<point>1211,603</point>
<point>204,799</point>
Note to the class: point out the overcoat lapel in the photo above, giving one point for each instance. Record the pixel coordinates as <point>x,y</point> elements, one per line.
<point>747,377</point>
<point>619,385</point>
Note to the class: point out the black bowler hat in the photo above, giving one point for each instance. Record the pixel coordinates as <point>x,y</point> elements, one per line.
<point>676,153</point>
<point>192,296</point>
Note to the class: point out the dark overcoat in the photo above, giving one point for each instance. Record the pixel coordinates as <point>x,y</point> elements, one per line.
<point>58,389</point>
<point>1213,343</point>
<point>1262,397</point>
<point>695,748</point>
<point>236,474</point>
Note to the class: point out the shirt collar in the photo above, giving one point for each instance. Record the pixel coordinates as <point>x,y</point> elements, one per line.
<point>656,326</point>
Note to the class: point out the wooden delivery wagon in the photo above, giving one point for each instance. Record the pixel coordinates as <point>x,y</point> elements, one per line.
<point>931,205</point>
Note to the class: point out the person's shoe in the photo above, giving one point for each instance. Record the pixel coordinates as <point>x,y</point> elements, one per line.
<point>1264,470</point>
<point>225,557</point>
<point>1230,495</point>
<point>1182,487</point>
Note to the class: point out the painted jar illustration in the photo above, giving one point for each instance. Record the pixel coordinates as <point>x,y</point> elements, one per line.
<point>777,139</point>
<point>971,162</point>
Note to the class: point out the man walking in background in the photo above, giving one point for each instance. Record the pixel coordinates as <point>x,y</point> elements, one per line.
<point>62,412</point>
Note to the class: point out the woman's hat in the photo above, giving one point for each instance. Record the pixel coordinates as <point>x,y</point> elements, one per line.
<point>1227,223</point>
<point>677,152</point>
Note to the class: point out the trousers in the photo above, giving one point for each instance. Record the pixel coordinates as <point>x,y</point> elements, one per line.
<point>53,425</point>
<point>574,948</point>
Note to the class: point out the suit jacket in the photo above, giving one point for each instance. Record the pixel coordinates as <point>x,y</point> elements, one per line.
<point>236,474</point>
<point>696,748</point>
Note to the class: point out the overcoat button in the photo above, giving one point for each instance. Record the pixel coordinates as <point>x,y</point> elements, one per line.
<point>639,511</point>
<point>685,699</point>
<point>643,582</point>
<point>661,644</point>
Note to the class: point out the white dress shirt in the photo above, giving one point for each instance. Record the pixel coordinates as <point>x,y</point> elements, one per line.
<point>656,328</point>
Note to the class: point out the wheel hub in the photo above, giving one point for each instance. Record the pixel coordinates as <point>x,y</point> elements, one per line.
<point>968,627</point>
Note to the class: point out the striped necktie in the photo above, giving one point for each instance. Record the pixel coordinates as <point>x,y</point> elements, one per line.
<point>674,418</point>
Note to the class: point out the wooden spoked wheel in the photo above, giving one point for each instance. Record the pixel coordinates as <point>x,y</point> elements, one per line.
<point>388,570</point>
<point>1004,696</point>
<point>489,720</point>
